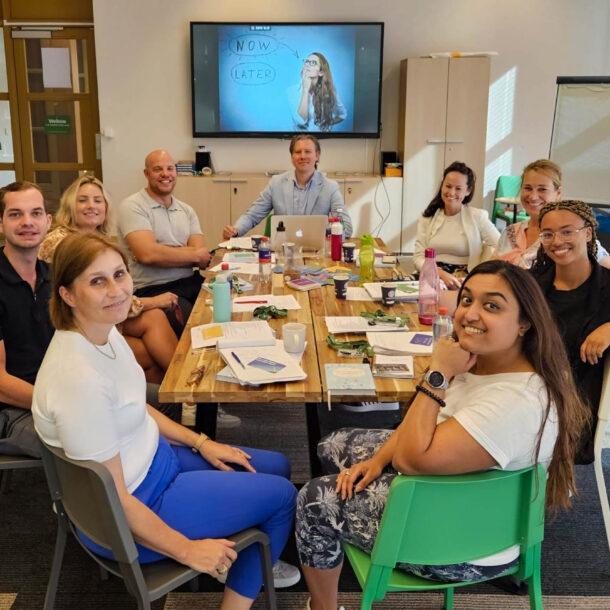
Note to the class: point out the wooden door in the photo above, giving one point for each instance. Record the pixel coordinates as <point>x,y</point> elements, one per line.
<point>56,87</point>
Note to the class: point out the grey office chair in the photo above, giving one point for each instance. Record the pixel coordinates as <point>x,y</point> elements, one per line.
<point>13,462</point>
<point>85,498</point>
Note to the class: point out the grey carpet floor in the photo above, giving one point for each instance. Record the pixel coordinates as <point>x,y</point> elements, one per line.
<point>397,601</point>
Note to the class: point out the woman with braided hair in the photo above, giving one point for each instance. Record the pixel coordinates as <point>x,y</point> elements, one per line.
<point>577,289</point>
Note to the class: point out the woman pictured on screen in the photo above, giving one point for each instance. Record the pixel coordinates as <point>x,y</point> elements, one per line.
<point>85,207</point>
<point>577,289</point>
<point>318,107</point>
<point>182,492</point>
<point>496,396</point>
<point>519,242</point>
<point>461,236</point>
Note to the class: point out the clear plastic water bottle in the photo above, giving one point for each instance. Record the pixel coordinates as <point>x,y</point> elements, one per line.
<point>327,239</point>
<point>366,258</point>
<point>336,239</point>
<point>221,298</point>
<point>224,267</point>
<point>429,289</point>
<point>264,261</point>
<point>442,326</point>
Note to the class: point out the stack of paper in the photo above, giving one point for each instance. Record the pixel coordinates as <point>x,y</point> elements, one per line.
<point>405,291</point>
<point>395,367</point>
<point>409,343</point>
<point>358,324</point>
<point>226,374</point>
<point>379,254</point>
<point>238,257</point>
<point>261,365</point>
<point>237,243</point>
<point>232,334</point>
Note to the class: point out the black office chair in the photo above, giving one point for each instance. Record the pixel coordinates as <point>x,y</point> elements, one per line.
<point>85,498</point>
<point>9,463</point>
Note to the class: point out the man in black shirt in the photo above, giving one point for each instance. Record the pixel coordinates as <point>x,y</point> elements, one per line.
<point>25,327</point>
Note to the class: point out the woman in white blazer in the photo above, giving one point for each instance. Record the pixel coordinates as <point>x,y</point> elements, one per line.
<point>461,236</point>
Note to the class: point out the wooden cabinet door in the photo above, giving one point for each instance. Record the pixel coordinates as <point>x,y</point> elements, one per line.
<point>467,94</point>
<point>423,113</point>
<point>211,199</point>
<point>245,189</point>
<point>374,206</point>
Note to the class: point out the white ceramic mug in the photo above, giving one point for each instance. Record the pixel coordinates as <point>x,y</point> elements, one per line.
<point>293,335</point>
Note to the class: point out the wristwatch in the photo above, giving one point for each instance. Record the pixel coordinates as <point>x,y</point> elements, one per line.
<point>436,380</point>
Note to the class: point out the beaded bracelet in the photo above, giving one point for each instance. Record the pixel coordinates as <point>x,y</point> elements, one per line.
<point>427,392</point>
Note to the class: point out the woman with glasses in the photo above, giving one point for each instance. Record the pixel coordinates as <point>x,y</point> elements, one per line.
<point>318,107</point>
<point>577,289</point>
<point>85,207</point>
<point>519,242</point>
<point>461,236</point>
<point>182,492</point>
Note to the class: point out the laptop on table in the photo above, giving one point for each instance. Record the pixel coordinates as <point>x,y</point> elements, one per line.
<point>306,232</point>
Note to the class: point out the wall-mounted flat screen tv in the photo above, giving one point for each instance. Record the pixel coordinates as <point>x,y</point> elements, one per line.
<point>279,79</point>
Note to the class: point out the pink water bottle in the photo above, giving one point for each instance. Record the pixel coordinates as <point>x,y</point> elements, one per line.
<point>336,238</point>
<point>429,289</point>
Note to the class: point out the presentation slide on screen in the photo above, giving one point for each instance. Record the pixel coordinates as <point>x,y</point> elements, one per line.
<point>284,78</point>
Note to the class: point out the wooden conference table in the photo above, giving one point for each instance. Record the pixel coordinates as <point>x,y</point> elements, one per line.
<point>315,305</point>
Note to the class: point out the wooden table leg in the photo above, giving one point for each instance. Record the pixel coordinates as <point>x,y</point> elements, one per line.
<point>205,418</point>
<point>313,437</point>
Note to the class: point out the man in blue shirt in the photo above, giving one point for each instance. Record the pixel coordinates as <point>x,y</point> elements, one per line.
<point>301,191</point>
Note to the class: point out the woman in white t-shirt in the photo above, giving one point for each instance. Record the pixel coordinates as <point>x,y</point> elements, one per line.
<point>462,236</point>
<point>510,403</point>
<point>182,492</point>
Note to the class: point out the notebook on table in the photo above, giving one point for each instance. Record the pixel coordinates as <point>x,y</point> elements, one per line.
<point>306,232</point>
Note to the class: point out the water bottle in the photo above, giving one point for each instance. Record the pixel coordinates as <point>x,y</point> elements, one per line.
<point>264,261</point>
<point>224,268</point>
<point>366,259</point>
<point>221,298</point>
<point>429,289</point>
<point>327,239</point>
<point>336,239</point>
<point>278,239</point>
<point>442,326</point>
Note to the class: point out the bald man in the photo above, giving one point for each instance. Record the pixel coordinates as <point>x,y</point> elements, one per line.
<point>164,239</point>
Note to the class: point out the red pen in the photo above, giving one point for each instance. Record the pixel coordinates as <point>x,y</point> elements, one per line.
<point>248,302</point>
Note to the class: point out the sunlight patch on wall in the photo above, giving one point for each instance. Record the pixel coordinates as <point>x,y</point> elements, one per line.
<point>501,166</point>
<point>501,108</point>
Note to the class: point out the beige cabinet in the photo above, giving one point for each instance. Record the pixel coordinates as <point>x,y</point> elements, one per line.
<point>374,205</point>
<point>245,189</point>
<point>220,200</point>
<point>442,118</point>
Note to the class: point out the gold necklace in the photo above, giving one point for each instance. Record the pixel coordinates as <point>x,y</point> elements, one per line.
<point>101,351</point>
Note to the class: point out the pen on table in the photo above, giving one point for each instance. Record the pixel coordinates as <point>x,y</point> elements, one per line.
<point>238,360</point>
<point>248,302</point>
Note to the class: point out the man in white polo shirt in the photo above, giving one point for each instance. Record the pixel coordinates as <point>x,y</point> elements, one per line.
<point>164,239</point>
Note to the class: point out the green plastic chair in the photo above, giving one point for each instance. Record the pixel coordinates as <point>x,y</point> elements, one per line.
<point>507,186</point>
<point>438,520</point>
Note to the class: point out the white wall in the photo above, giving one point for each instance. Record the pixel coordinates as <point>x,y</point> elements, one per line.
<point>143,72</point>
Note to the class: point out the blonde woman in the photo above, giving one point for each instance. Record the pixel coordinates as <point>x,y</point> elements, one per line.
<point>85,207</point>
<point>519,242</point>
